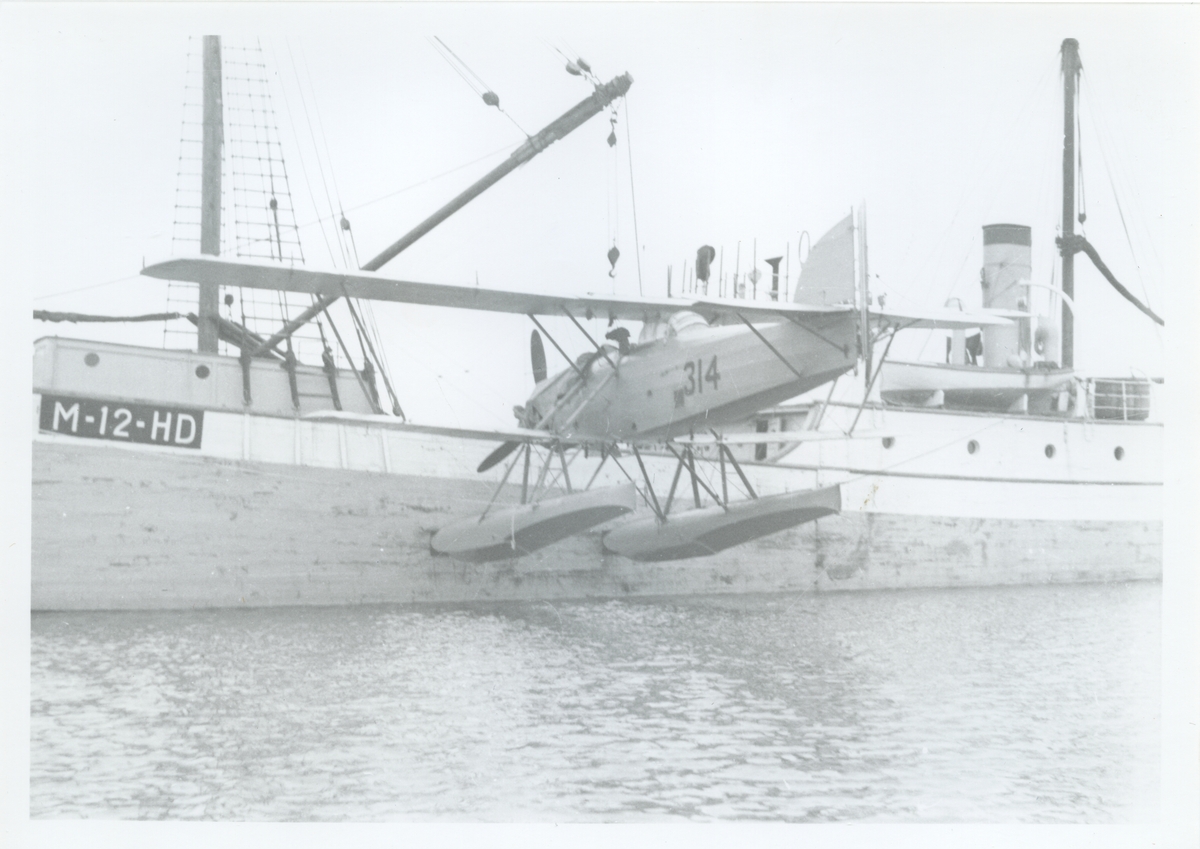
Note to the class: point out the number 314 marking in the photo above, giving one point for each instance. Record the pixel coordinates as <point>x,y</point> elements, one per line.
<point>695,383</point>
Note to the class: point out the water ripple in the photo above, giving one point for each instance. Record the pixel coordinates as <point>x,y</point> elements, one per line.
<point>1031,704</point>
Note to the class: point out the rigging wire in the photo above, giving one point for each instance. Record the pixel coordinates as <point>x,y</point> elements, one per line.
<point>312,135</point>
<point>365,308</point>
<point>574,66</point>
<point>308,182</point>
<point>412,186</point>
<point>382,370</point>
<point>992,164</point>
<point>981,176</point>
<point>1097,119</point>
<point>1081,194</point>
<point>484,90</point>
<point>479,85</point>
<point>614,200</point>
<point>637,247</point>
<point>344,224</point>
<point>86,288</point>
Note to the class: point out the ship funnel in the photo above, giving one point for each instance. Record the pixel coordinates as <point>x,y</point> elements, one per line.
<point>1006,267</point>
<point>774,263</point>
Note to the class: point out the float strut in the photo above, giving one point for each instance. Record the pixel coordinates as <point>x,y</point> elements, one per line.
<point>657,510</point>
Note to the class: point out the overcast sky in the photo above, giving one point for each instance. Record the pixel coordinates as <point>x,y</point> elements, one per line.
<point>747,122</point>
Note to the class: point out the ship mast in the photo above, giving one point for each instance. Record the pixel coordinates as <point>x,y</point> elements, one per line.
<point>1068,242</point>
<point>208,306</point>
<point>1070,71</point>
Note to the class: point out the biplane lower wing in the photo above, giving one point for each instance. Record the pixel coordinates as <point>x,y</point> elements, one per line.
<point>541,437</point>
<point>514,434</point>
<point>373,286</point>
<point>778,437</point>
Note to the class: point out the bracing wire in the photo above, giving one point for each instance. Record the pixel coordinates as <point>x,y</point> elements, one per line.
<point>312,134</point>
<point>637,247</point>
<point>365,309</point>
<point>412,186</point>
<point>981,175</point>
<point>307,180</point>
<point>325,143</point>
<point>1081,204</point>
<point>1092,110</point>
<point>480,88</point>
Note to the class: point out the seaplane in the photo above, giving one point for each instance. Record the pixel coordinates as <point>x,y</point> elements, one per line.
<point>698,366</point>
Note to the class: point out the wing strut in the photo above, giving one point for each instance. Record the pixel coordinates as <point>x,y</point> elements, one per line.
<point>774,350</point>
<point>674,483</point>
<point>499,487</point>
<point>557,347</point>
<point>691,466</point>
<point>603,353</point>
<point>737,467</point>
<point>657,510</point>
<point>871,383</point>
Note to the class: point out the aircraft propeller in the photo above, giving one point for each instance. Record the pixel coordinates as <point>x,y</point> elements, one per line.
<point>496,456</point>
<point>537,355</point>
<point>537,358</point>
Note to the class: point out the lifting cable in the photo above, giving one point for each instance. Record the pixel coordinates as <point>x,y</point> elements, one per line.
<point>637,246</point>
<point>482,89</point>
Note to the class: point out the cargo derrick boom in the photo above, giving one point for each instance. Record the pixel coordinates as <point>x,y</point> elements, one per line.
<point>565,124</point>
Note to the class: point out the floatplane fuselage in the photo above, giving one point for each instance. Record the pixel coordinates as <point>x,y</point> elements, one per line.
<point>684,376</point>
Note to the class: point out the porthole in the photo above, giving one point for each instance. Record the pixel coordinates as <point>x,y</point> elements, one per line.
<point>202,371</point>
<point>889,441</point>
<point>92,359</point>
<point>1119,453</point>
<point>972,447</point>
<point>1049,451</point>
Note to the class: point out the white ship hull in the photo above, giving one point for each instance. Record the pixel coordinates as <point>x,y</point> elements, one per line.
<point>276,510</point>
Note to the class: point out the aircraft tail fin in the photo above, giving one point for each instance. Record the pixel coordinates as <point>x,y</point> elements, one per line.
<point>827,276</point>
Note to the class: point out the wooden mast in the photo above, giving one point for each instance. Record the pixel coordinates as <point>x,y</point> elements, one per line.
<point>208,307</point>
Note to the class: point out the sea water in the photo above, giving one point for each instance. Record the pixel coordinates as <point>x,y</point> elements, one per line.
<point>1020,704</point>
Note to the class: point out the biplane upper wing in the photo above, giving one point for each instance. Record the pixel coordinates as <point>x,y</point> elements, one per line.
<point>373,286</point>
